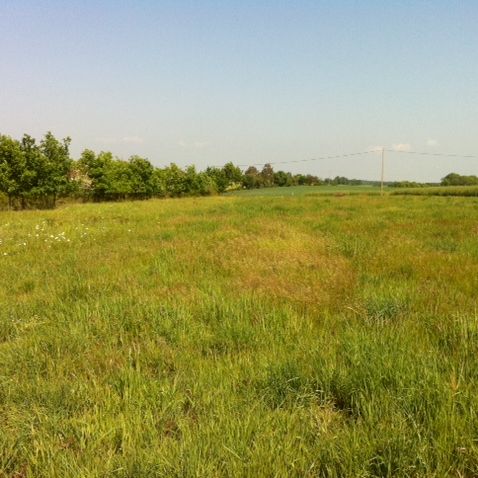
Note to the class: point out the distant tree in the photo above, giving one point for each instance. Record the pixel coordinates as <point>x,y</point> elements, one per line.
<point>219,177</point>
<point>12,169</point>
<point>454,179</point>
<point>175,179</point>
<point>312,180</point>
<point>54,170</point>
<point>96,167</point>
<point>141,177</point>
<point>451,179</point>
<point>34,170</point>
<point>283,179</point>
<point>308,180</point>
<point>233,174</point>
<point>406,184</point>
<point>191,181</point>
<point>267,175</point>
<point>252,178</point>
<point>340,180</point>
<point>120,180</point>
<point>158,182</point>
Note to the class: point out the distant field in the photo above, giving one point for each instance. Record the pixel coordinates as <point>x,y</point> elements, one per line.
<point>305,191</point>
<point>439,191</point>
<point>235,336</point>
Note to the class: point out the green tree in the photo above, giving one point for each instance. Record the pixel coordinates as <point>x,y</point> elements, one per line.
<point>119,180</point>
<point>283,179</point>
<point>219,177</point>
<point>175,179</point>
<point>233,175</point>
<point>267,175</point>
<point>159,182</point>
<point>252,178</point>
<point>454,179</point>
<point>141,177</point>
<point>35,170</point>
<point>12,169</point>
<point>53,174</point>
<point>96,168</point>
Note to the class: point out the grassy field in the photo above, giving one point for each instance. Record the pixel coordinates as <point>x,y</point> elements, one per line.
<point>306,191</point>
<point>439,191</point>
<point>233,336</point>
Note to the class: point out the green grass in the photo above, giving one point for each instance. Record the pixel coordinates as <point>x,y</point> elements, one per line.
<point>439,191</point>
<point>233,336</point>
<point>306,191</point>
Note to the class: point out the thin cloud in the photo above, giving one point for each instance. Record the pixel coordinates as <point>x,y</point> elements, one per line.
<point>106,140</point>
<point>132,140</point>
<point>431,143</point>
<point>124,140</point>
<point>193,144</point>
<point>401,147</point>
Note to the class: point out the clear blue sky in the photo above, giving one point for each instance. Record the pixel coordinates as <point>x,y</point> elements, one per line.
<point>206,82</point>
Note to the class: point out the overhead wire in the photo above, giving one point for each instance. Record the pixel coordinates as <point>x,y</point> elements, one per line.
<point>423,153</point>
<point>347,155</point>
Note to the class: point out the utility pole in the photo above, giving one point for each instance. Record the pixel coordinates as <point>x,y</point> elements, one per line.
<point>383,170</point>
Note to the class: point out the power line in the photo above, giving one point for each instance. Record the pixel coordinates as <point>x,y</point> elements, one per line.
<point>450,155</point>
<point>345,155</point>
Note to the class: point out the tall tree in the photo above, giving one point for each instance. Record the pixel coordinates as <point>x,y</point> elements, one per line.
<point>219,178</point>
<point>54,176</point>
<point>267,175</point>
<point>141,177</point>
<point>233,174</point>
<point>252,178</point>
<point>12,168</point>
<point>96,166</point>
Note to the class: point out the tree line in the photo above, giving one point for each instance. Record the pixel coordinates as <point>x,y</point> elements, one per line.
<point>452,179</point>
<point>36,173</point>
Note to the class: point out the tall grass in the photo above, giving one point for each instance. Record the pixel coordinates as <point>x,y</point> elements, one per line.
<point>238,336</point>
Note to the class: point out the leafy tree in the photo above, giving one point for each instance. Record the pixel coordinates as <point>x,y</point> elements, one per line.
<point>175,181</point>
<point>219,177</point>
<point>54,169</point>
<point>283,179</point>
<point>141,177</point>
<point>206,184</point>
<point>198,183</point>
<point>159,182</point>
<point>35,171</point>
<point>96,168</point>
<point>252,178</point>
<point>233,174</point>
<point>454,179</point>
<point>12,168</point>
<point>119,180</point>
<point>267,175</point>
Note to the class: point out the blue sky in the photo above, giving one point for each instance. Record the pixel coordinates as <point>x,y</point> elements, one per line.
<point>208,82</point>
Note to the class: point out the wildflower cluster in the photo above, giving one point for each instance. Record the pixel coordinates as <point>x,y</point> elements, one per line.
<point>40,237</point>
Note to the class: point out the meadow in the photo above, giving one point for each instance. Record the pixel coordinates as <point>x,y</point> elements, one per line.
<point>242,336</point>
<point>285,191</point>
<point>439,191</point>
